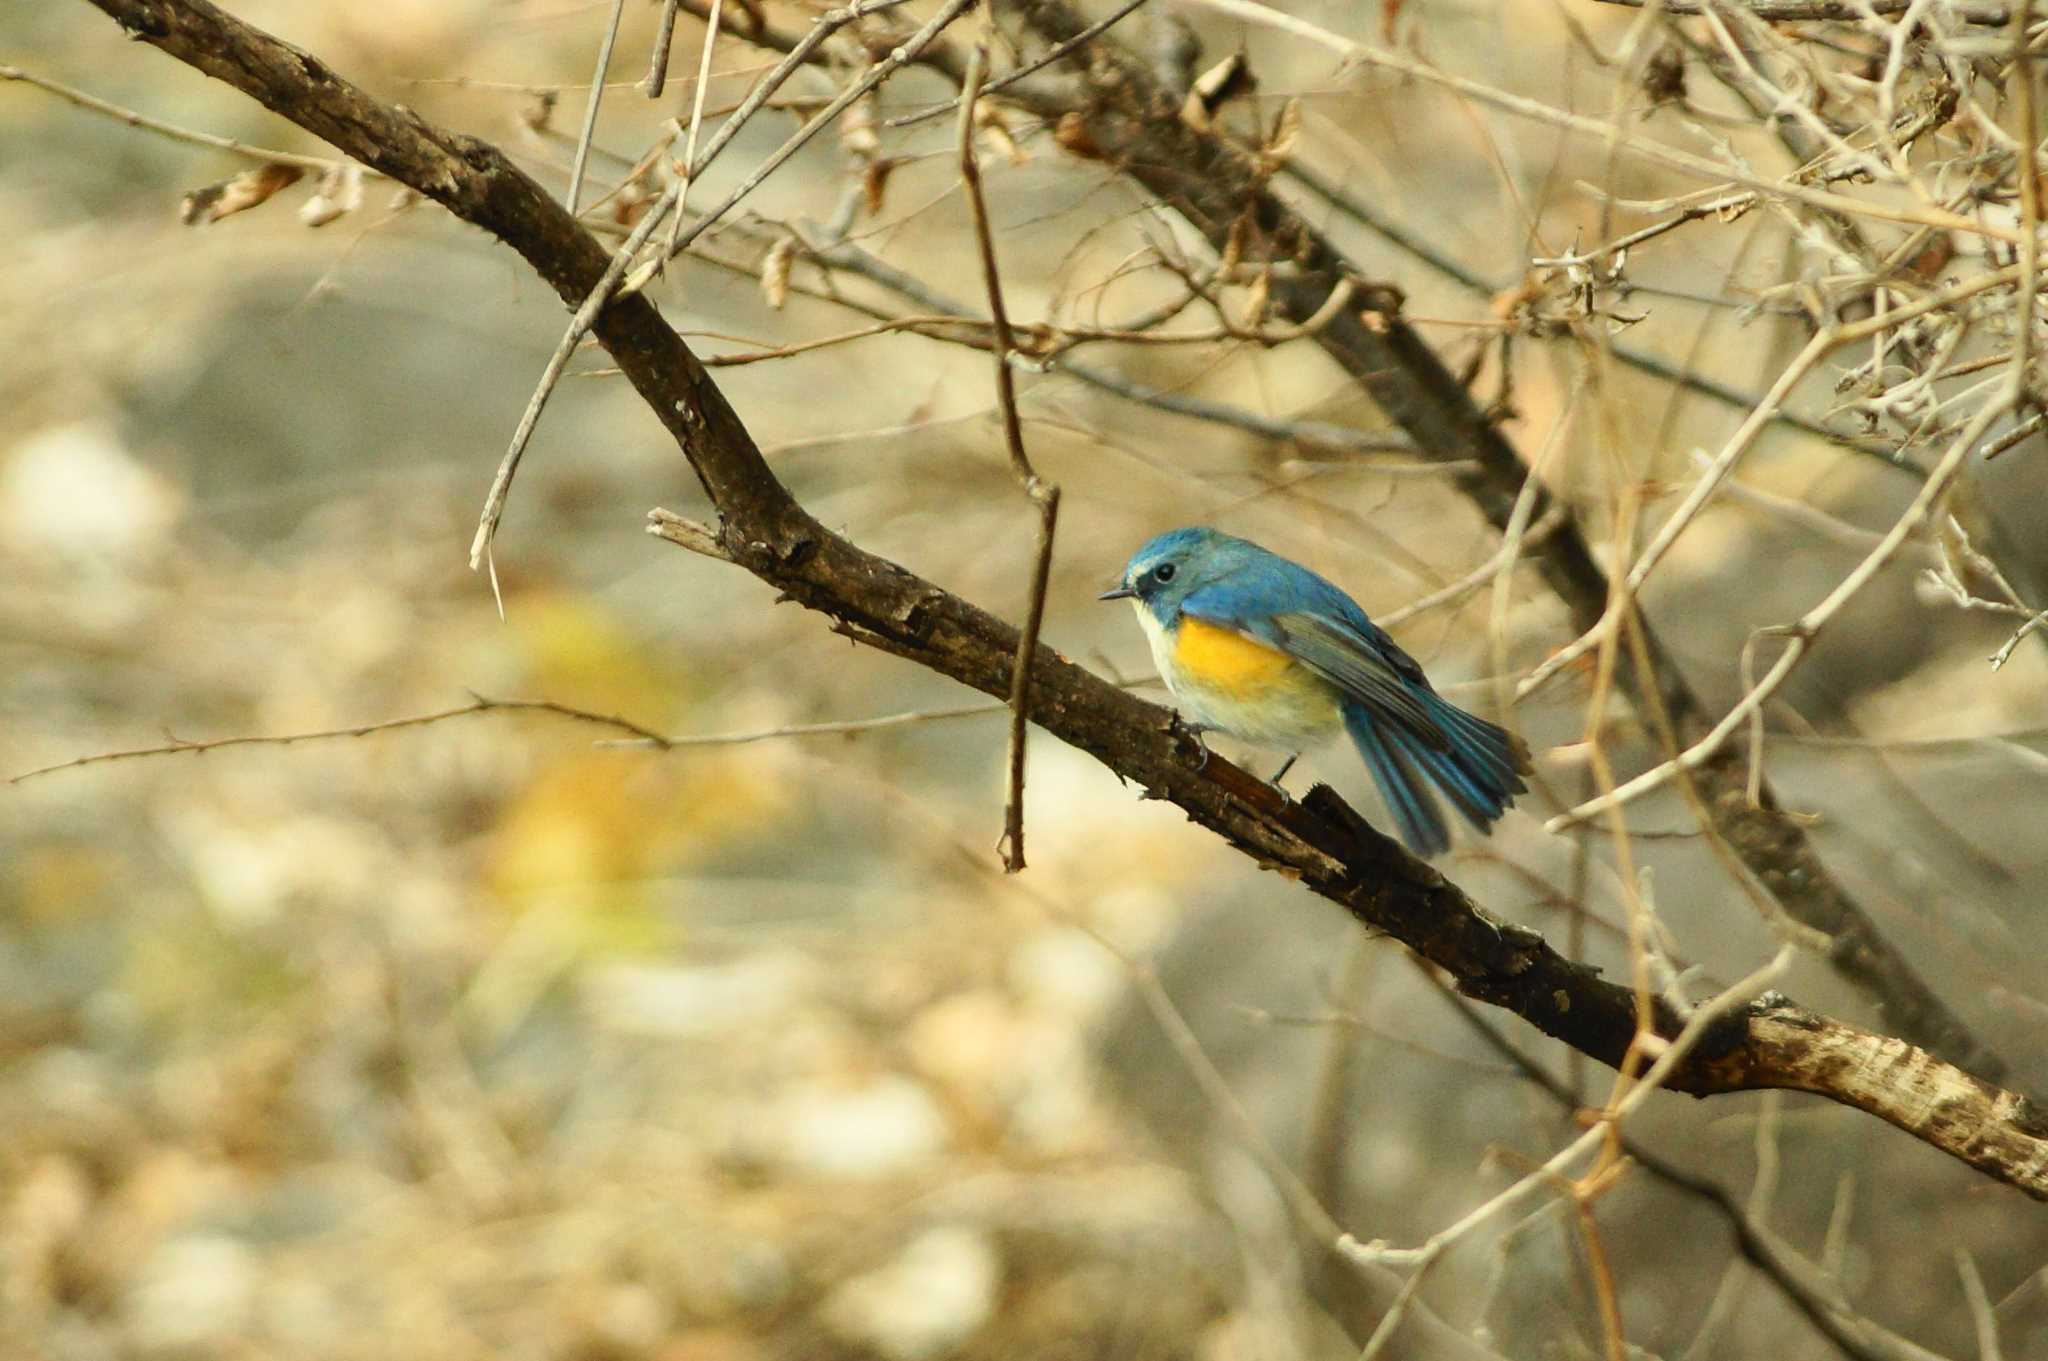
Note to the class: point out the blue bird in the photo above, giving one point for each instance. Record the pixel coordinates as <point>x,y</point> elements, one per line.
<point>1259,647</point>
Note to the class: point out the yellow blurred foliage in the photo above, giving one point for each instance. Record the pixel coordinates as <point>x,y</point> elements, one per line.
<point>65,882</point>
<point>608,820</point>
<point>594,825</point>
<point>577,652</point>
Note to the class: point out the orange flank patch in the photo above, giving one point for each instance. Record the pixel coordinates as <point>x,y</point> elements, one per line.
<point>1224,659</point>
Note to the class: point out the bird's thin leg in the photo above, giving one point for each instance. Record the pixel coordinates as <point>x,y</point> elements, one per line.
<point>1279,774</point>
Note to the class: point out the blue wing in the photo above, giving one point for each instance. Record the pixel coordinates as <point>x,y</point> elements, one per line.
<point>1403,729</point>
<point>1290,608</point>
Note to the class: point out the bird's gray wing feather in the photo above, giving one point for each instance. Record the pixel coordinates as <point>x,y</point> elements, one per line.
<point>1372,671</point>
<point>1363,670</point>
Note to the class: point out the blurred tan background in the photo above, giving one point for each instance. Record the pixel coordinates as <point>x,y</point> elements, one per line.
<point>477,1039</point>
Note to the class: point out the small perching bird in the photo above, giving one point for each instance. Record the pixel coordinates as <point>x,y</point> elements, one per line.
<point>1265,650</point>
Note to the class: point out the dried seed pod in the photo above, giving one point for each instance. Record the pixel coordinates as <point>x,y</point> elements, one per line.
<point>775,267</point>
<point>237,194</point>
<point>339,194</point>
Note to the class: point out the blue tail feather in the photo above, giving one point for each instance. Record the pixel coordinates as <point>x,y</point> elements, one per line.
<point>1461,776</point>
<point>1502,752</point>
<point>1415,812</point>
<point>1476,764</point>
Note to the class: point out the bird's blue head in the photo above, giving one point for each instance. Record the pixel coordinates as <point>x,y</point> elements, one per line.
<point>1174,565</point>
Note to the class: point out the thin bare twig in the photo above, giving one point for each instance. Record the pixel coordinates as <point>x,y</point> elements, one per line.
<point>697,103</point>
<point>615,275</point>
<point>664,35</point>
<point>1043,494</point>
<point>897,58</point>
<point>1303,433</point>
<point>1641,361</point>
<point>478,705</point>
<point>1800,634</point>
<point>579,325</point>
<point>837,727</point>
<point>1807,1285</point>
<point>1300,433</point>
<point>1536,110</point>
<point>1031,68</point>
<point>2019,434</point>
<point>2028,168</point>
<point>1975,1296</point>
<point>583,139</point>
<point>1422,1259</point>
<point>163,129</point>
<point>643,737</point>
<point>2033,625</point>
<point>689,164</point>
<point>1622,602</point>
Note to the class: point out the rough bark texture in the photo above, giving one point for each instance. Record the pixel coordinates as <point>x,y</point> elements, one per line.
<point>1320,841</point>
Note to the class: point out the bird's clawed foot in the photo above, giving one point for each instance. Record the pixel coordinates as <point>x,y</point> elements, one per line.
<point>1281,774</point>
<point>1193,731</point>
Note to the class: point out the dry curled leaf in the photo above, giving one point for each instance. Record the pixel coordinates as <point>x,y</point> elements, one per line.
<point>630,200</point>
<point>1280,145</point>
<point>775,271</point>
<point>1233,248</point>
<point>537,114</point>
<point>857,131</point>
<point>1256,298</point>
<point>340,193</point>
<point>757,21</point>
<point>1928,263</point>
<point>994,129</point>
<point>874,184</point>
<point>1664,76</point>
<point>1231,76</point>
<point>1516,300</point>
<point>236,195</point>
<point>1072,134</point>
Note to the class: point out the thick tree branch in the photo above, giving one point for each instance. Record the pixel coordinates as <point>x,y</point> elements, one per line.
<point>1320,841</point>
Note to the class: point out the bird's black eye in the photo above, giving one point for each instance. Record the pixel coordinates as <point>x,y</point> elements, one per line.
<point>1163,573</point>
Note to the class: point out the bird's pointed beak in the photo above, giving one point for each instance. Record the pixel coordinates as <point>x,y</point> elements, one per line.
<point>1120,593</point>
